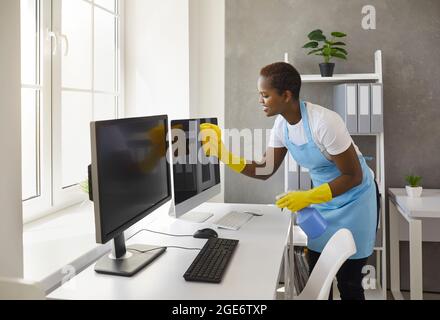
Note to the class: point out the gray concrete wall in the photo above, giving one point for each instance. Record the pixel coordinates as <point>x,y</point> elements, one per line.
<point>258,32</point>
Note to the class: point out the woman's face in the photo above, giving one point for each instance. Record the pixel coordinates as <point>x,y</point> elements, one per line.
<point>273,104</point>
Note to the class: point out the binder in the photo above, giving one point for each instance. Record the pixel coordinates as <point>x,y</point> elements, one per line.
<point>345,104</point>
<point>305,181</point>
<point>292,179</point>
<point>364,118</point>
<point>377,108</point>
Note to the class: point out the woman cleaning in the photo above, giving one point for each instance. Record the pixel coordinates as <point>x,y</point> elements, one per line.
<point>344,190</point>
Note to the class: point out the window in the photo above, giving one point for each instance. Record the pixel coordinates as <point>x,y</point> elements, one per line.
<point>31,94</point>
<point>35,108</point>
<point>70,76</point>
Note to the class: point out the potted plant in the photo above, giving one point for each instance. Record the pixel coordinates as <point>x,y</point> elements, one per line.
<point>84,185</point>
<point>413,189</point>
<point>329,49</point>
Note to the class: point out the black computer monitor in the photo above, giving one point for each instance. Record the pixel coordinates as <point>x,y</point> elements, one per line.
<point>196,178</point>
<point>130,179</point>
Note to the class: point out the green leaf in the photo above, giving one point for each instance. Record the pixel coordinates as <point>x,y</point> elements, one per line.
<point>317,36</point>
<point>314,32</point>
<point>413,181</point>
<point>339,44</point>
<point>326,58</point>
<point>341,50</point>
<point>339,55</point>
<point>315,51</point>
<point>312,44</point>
<point>327,51</point>
<point>338,34</point>
<point>84,185</point>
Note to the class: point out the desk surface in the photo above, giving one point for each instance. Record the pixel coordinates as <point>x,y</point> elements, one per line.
<point>252,274</point>
<point>427,206</point>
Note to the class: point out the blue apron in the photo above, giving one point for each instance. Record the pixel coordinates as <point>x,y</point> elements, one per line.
<point>355,210</point>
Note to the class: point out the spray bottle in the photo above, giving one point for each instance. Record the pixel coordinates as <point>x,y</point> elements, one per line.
<point>310,221</point>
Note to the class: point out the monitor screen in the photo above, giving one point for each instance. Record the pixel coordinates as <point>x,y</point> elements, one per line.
<point>193,172</point>
<point>133,174</point>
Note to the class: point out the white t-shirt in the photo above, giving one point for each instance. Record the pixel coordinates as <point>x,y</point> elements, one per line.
<point>329,132</point>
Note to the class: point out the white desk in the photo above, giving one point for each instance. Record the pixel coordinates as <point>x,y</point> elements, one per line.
<point>413,210</point>
<point>253,272</point>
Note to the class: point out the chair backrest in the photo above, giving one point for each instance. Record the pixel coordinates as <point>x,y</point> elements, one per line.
<point>338,249</point>
<point>18,289</point>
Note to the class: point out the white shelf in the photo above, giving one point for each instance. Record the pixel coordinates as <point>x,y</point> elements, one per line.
<point>365,134</point>
<point>316,78</point>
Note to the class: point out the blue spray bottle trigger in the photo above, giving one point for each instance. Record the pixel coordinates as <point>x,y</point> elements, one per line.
<point>312,222</point>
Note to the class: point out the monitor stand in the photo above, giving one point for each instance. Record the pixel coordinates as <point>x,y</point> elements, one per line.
<point>191,216</point>
<point>197,217</point>
<point>126,262</point>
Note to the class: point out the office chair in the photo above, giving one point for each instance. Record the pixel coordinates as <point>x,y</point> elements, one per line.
<point>18,289</point>
<point>338,249</point>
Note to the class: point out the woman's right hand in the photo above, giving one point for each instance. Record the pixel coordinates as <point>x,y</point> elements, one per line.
<point>213,146</point>
<point>211,136</point>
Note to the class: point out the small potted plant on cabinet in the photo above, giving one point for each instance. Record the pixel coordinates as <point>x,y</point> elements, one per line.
<point>413,189</point>
<point>330,49</point>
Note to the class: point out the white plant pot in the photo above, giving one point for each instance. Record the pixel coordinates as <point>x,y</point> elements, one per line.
<point>414,192</point>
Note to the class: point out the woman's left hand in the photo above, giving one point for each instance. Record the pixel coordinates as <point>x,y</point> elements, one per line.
<point>298,200</point>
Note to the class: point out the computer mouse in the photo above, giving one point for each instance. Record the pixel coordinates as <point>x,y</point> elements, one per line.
<point>206,234</point>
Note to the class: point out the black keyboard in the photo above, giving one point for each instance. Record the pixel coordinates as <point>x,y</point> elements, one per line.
<point>212,261</point>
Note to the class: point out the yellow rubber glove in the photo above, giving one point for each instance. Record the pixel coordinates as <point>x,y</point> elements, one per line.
<point>296,201</point>
<point>211,136</point>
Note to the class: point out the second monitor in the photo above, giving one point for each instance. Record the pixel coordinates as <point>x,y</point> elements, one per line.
<point>196,178</point>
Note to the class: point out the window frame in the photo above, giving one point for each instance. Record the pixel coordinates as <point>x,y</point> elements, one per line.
<point>33,208</point>
<point>52,197</point>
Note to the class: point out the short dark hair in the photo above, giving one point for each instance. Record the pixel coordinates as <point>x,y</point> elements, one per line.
<point>283,77</point>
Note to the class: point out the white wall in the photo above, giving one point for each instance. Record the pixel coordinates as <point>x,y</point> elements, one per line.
<point>157,58</point>
<point>175,59</point>
<point>11,220</point>
<point>207,58</point>
<point>207,62</point>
